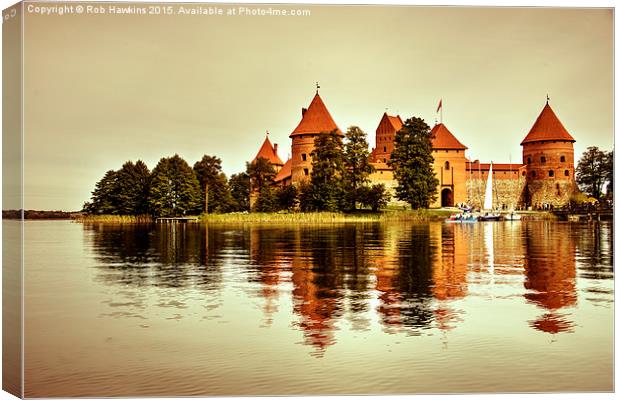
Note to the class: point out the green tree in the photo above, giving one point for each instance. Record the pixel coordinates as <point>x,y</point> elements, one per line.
<point>326,191</point>
<point>261,173</point>
<point>374,197</point>
<point>267,200</point>
<point>591,173</point>
<point>412,162</point>
<point>105,196</point>
<point>214,188</point>
<point>357,165</point>
<point>287,197</point>
<point>133,181</point>
<point>240,191</point>
<point>174,188</point>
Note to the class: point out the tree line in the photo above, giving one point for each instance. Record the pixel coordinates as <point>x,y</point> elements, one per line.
<point>173,188</point>
<point>339,181</point>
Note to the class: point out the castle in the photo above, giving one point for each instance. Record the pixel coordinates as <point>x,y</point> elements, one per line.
<point>545,178</point>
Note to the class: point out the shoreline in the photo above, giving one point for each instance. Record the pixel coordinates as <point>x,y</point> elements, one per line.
<point>422,215</point>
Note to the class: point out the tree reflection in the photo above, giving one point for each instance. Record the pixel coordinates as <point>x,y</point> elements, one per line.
<point>161,255</point>
<point>549,265</point>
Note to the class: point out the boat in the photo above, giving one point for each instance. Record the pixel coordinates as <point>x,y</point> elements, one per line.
<point>463,217</point>
<point>487,208</point>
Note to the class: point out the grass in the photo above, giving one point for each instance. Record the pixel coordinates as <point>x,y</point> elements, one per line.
<point>387,215</point>
<point>327,217</point>
<point>115,219</point>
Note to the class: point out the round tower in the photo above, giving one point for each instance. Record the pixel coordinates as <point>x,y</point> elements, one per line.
<point>315,120</point>
<point>550,162</point>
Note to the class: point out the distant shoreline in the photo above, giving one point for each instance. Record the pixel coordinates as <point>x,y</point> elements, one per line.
<point>39,214</point>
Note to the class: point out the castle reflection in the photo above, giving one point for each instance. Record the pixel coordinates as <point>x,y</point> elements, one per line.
<point>550,274</point>
<point>411,278</point>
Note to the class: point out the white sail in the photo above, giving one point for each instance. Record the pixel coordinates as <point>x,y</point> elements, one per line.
<point>488,192</point>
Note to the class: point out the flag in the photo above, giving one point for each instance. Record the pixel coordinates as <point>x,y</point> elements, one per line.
<point>439,106</point>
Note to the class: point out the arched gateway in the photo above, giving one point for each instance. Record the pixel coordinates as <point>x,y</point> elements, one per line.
<point>447,199</point>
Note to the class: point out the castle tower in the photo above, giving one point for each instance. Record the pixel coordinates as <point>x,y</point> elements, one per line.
<point>550,162</point>
<point>449,166</point>
<point>270,152</point>
<point>384,139</point>
<point>314,121</point>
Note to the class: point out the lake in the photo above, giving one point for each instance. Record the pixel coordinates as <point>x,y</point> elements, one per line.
<point>392,308</point>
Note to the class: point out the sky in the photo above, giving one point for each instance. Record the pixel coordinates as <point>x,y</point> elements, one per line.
<point>101,89</point>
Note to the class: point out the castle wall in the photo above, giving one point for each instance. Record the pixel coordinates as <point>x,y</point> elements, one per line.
<point>507,193</point>
<point>542,158</point>
<point>300,168</point>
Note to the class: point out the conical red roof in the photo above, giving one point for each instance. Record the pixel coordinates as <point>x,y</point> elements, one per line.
<point>316,119</point>
<point>547,127</point>
<point>268,151</point>
<point>444,139</point>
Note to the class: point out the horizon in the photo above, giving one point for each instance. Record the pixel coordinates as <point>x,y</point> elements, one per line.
<point>135,87</point>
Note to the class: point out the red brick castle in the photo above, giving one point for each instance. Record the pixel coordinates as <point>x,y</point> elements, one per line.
<point>546,176</point>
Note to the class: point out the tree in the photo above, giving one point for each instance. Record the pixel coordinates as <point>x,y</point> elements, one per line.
<point>326,191</point>
<point>213,184</point>
<point>267,200</point>
<point>174,188</point>
<point>105,197</point>
<point>412,162</point>
<point>261,173</point>
<point>133,182</point>
<point>287,197</point>
<point>375,196</point>
<point>591,173</point>
<point>357,165</point>
<point>240,191</point>
<point>608,168</point>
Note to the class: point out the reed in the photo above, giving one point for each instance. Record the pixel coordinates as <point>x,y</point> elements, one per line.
<point>115,219</point>
<point>326,217</point>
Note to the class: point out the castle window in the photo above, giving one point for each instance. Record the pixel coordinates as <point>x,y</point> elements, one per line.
<point>523,173</point>
<point>304,157</point>
<point>566,173</point>
<point>543,160</point>
<point>306,171</point>
<point>529,160</point>
<point>550,172</point>
<point>562,159</point>
<point>447,165</point>
<point>384,149</point>
<point>384,160</point>
<point>533,174</point>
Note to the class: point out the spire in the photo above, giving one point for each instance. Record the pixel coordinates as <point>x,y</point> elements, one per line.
<point>316,119</point>
<point>269,151</point>
<point>547,127</point>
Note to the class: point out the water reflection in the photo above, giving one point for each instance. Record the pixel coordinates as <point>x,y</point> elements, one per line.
<point>413,278</point>
<point>550,275</point>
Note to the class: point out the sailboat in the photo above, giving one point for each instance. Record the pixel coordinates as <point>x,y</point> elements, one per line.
<point>512,215</point>
<point>487,208</point>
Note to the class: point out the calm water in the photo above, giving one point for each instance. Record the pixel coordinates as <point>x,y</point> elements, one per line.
<point>357,308</point>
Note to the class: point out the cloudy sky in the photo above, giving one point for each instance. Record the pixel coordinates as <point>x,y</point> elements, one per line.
<point>103,89</point>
